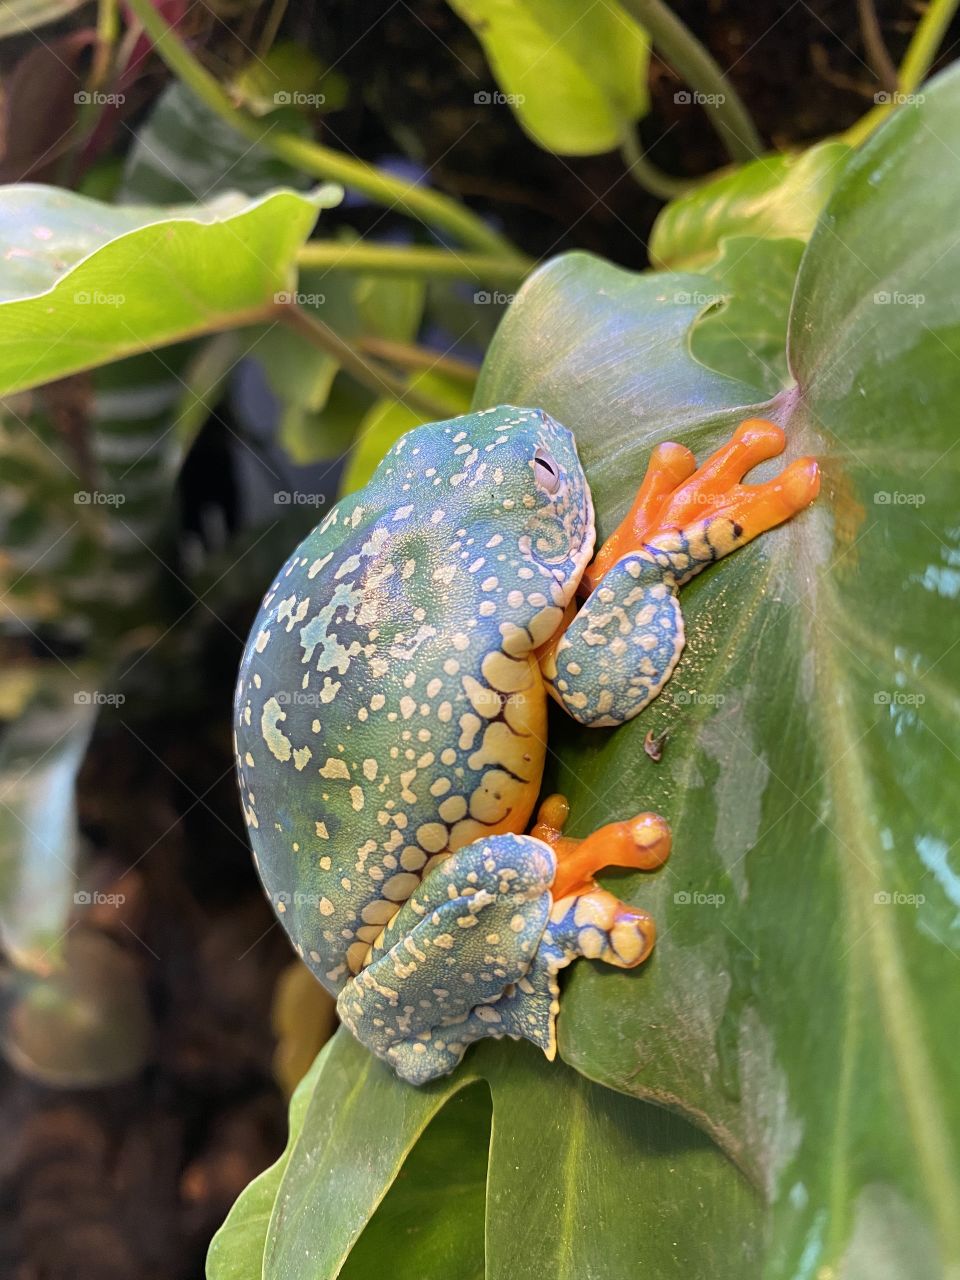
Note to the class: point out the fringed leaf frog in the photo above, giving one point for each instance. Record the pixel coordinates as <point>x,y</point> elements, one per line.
<point>392,718</point>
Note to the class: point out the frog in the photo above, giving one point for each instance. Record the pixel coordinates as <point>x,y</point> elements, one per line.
<point>392,727</point>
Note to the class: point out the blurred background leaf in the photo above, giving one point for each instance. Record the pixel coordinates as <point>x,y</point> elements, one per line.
<point>575,79</point>
<point>83,284</point>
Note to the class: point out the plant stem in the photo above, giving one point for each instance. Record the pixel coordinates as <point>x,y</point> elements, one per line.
<point>924,44</point>
<point>647,175</point>
<point>428,206</point>
<point>917,61</point>
<point>878,56</point>
<point>108,27</point>
<point>409,356</point>
<point>404,260</point>
<point>371,375</point>
<point>700,70</point>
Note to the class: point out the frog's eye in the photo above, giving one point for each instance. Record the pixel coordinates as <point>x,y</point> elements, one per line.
<point>546,471</point>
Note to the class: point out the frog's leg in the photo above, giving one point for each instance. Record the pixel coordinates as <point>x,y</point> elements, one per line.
<point>474,953</point>
<point>615,655</point>
<point>468,933</point>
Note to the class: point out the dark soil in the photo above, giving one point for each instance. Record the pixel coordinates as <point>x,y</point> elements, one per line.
<point>129,1182</point>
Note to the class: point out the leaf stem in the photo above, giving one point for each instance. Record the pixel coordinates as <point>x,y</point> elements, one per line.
<point>409,356</point>
<point>926,40</point>
<point>429,207</point>
<point>881,64</point>
<point>371,375</point>
<point>646,175</point>
<point>416,260</point>
<point>680,47</point>
<point>917,61</point>
<point>108,26</point>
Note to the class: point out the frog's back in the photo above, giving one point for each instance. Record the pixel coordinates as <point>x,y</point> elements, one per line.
<point>381,720</point>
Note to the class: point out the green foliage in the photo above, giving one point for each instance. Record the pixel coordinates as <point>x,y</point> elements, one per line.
<point>355,306</point>
<point>38,762</point>
<point>84,283</point>
<point>811,835</point>
<point>290,75</point>
<point>564,1170</point>
<point>185,153</point>
<point>575,78</point>
<point>806,727</point>
<point>18,16</point>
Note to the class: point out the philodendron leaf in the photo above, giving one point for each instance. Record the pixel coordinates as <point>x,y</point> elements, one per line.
<point>358,1127</point>
<point>776,196</point>
<point>236,1251</point>
<point>745,335</point>
<point>82,283</point>
<point>803,999</point>
<point>575,78</point>
<point>582,1182</point>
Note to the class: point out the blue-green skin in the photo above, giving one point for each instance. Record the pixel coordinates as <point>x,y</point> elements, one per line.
<point>385,778</point>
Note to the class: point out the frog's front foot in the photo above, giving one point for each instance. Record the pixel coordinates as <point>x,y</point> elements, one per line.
<point>619,651</point>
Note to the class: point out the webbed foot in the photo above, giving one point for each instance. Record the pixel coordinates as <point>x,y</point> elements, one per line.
<point>707,507</point>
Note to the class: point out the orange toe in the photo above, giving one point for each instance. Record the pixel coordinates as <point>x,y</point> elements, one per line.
<point>642,843</point>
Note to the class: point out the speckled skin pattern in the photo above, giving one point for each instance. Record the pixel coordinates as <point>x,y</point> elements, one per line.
<point>391,731</point>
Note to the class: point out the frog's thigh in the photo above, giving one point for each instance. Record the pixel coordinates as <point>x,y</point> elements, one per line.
<point>620,649</point>
<point>469,931</point>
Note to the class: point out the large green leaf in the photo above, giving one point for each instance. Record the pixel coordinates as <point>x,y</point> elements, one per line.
<point>802,1003</point>
<point>746,335</point>
<point>775,196</point>
<point>83,283</point>
<point>236,1251</point>
<point>431,1221</point>
<point>803,1000</point>
<point>575,77</point>
<point>563,1193</point>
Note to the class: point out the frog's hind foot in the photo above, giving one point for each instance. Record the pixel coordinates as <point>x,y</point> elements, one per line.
<point>585,919</point>
<point>642,843</point>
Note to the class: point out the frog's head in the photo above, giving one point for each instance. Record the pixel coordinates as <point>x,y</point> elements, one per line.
<point>508,474</point>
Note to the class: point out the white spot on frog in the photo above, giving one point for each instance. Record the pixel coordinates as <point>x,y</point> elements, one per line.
<point>293,615</point>
<point>279,744</point>
<point>320,632</point>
